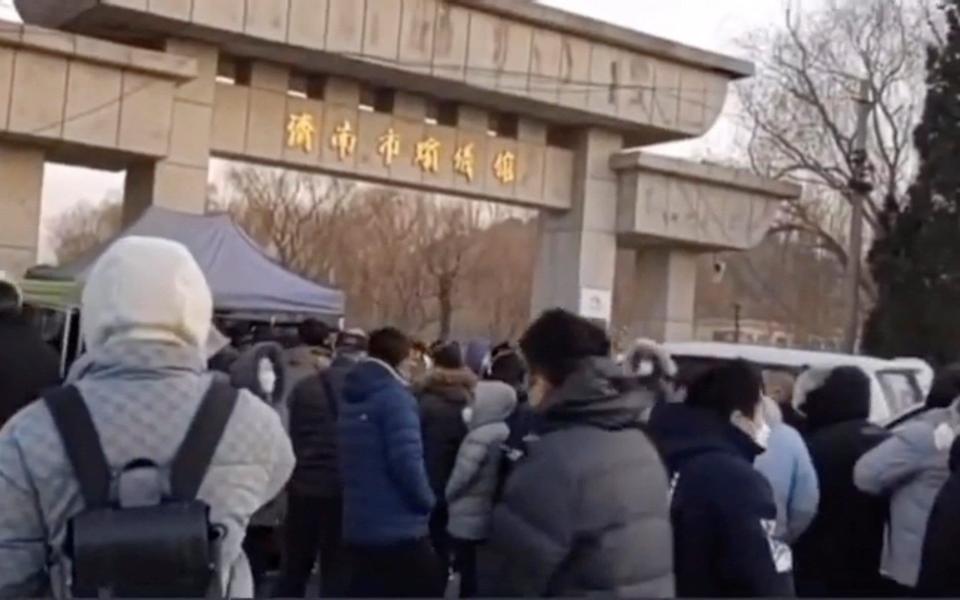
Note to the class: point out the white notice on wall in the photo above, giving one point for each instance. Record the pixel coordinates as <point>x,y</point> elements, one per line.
<point>596,304</point>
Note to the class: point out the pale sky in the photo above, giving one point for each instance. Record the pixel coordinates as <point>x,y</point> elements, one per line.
<point>709,24</point>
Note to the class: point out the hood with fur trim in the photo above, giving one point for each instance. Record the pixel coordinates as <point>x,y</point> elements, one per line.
<point>647,358</point>
<point>455,385</point>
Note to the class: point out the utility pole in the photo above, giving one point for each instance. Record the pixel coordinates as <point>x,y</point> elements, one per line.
<point>859,189</point>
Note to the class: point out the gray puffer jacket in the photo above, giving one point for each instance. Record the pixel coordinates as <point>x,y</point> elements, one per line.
<point>586,512</point>
<point>475,476</point>
<point>911,468</point>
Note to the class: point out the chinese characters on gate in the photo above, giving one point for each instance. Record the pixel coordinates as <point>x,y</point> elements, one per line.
<point>428,153</point>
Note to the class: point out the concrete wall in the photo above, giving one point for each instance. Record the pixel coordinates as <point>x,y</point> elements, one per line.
<point>653,88</point>
<point>251,123</point>
<point>21,174</point>
<point>694,205</point>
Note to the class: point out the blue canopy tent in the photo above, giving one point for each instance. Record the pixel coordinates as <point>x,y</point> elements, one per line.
<point>244,280</point>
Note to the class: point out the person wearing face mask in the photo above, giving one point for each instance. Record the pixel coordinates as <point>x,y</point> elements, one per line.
<point>839,554</point>
<point>260,370</point>
<point>723,511</point>
<point>585,512</point>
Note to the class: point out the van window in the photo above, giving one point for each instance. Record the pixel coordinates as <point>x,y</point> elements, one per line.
<point>901,390</point>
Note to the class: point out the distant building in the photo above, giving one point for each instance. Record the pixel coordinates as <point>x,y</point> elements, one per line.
<point>762,332</point>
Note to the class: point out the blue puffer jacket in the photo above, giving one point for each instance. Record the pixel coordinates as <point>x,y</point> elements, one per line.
<point>386,494</point>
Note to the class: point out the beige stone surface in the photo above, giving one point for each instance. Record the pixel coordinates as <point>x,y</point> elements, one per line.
<point>447,136</point>
<point>102,51</point>
<point>450,42</point>
<point>599,146</point>
<point>479,140</point>
<point>345,26</point>
<point>145,114</point>
<point>48,39</point>
<point>485,52</point>
<point>270,76</point>
<point>93,104</point>
<point>411,106</point>
<point>342,91</point>
<point>372,126</point>
<point>531,167</point>
<point>493,186</point>
<point>131,4</point>
<point>515,43</point>
<point>558,178</point>
<point>230,119</point>
<point>545,55</point>
<point>473,118</point>
<point>299,155</point>
<point>6,80</point>
<point>206,56</point>
<point>693,99</point>
<point>267,19</point>
<point>336,115</point>
<point>533,131</point>
<point>174,9</point>
<point>417,34</point>
<point>190,134</point>
<point>666,100</point>
<point>38,96</point>
<point>21,171</point>
<point>381,37</point>
<point>404,169</point>
<point>180,188</point>
<point>638,84</point>
<point>308,23</point>
<point>605,80</point>
<point>667,291</point>
<point>574,72</point>
<point>266,124</point>
<point>220,14</point>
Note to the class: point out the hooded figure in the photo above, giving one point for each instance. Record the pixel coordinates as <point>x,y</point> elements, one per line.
<point>940,566</point>
<point>839,554</point>
<point>476,477</point>
<point>146,316</point>
<point>723,511</point>
<point>585,512</point>
<point>261,370</point>
<point>27,364</point>
<point>787,465</point>
<point>909,469</point>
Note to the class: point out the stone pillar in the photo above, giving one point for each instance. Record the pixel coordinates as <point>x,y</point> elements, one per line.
<point>21,171</point>
<point>576,264</point>
<point>179,182</point>
<point>665,293</point>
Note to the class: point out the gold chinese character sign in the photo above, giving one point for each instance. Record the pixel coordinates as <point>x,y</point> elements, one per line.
<point>505,167</point>
<point>344,140</point>
<point>427,155</point>
<point>389,147</point>
<point>301,130</point>
<point>464,160</point>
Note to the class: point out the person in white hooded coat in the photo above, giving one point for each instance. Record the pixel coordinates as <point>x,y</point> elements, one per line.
<point>147,313</point>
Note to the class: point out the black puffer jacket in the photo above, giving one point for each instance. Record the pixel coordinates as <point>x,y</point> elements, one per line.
<point>443,395</point>
<point>28,366</point>
<point>839,555</point>
<point>314,407</point>
<point>585,512</point>
<point>940,567</point>
<point>723,511</point>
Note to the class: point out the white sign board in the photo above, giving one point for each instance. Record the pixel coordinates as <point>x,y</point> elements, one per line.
<point>596,304</point>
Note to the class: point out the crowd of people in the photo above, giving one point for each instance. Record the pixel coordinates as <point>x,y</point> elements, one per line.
<point>170,464</point>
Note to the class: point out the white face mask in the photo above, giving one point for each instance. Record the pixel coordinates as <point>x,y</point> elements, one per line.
<point>266,376</point>
<point>756,428</point>
<point>467,415</point>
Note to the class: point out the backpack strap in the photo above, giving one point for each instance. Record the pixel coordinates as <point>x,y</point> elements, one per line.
<point>196,452</point>
<point>82,444</point>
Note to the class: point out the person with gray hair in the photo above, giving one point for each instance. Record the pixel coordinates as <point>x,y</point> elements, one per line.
<point>147,313</point>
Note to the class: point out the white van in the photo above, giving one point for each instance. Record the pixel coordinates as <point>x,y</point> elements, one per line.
<point>896,387</point>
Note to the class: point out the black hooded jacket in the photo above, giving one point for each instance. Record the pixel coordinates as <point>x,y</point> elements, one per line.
<point>443,395</point>
<point>28,366</point>
<point>722,509</point>
<point>244,371</point>
<point>839,555</point>
<point>940,567</point>
<point>585,512</point>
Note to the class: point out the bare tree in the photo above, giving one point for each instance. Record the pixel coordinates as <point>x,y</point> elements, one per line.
<point>85,227</point>
<point>799,109</point>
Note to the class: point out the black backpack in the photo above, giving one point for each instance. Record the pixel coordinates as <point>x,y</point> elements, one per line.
<point>168,549</point>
